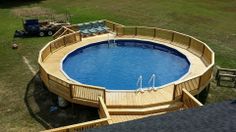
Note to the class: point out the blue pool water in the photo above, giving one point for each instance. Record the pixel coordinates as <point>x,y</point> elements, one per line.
<point>118,66</point>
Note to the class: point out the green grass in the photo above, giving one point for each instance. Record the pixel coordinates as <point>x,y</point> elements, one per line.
<point>210,21</point>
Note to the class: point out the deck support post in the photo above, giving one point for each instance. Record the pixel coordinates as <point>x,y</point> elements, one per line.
<point>73,109</point>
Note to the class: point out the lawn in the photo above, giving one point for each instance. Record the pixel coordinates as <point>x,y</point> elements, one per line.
<point>212,21</point>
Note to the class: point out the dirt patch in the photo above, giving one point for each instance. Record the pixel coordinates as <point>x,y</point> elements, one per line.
<point>39,12</point>
<point>32,11</point>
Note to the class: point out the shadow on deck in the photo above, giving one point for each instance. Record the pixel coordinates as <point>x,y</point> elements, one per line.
<point>42,106</point>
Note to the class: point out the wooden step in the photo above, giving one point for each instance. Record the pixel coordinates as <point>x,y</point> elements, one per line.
<point>142,106</point>
<point>146,110</point>
<point>124,118</point>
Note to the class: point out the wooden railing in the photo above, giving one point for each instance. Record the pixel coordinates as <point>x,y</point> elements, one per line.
<point>58,43</point>
<point>187,42</point>
<point>93,96</point>
<point>104,120</point>
<point>62,31</point>
<point>64,88</point>
<point>189,101</point>
<point>59,32</point>
<point>78,93</point>
<point>87,93</point>
<point>112,25</point>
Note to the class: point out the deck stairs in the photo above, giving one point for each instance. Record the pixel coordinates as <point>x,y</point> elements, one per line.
<point>126,113</point>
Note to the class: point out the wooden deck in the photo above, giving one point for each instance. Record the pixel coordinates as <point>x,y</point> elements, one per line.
<point>121,98</point>
<point>120,106</point>
<point>116,98</point>
<point>52,65</point>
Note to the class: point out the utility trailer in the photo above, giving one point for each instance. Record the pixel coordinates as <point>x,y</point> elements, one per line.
<point>33,27</point>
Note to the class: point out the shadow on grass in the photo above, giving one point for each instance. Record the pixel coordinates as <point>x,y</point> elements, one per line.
<point>4,4</point>
<point>40,101</point>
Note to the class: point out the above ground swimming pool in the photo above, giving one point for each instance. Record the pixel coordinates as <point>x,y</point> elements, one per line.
<point>119,65</point>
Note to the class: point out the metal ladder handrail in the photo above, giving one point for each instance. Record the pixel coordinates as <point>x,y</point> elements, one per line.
<point>153,80</point>
<point>140,83</point>
<point>109,40</point>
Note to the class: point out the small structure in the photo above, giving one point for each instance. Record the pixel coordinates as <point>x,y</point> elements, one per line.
<point>226,77</point>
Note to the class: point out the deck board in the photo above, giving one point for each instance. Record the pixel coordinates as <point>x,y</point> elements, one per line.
<point>124,118</point>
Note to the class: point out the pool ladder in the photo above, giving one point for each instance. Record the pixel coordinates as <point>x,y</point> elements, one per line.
<point>110,40</point>
<point>153,80</point>
<point>140,83</point>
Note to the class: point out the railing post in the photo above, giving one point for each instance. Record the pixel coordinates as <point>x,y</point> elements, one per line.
<point>75,40</point>
<point>172,39</point>
<point>155,33</point>
<point>135,31</point>
<point>71,94</point>
<point>175,87</point>
<point>104,96</point>
<point>113,27</point>
<point>203,50</point>
<point>117,28</point>
<point>190,41</point>
<point>64,41</point>
<point>50,48</point>
<point>80,37</point>
<point>200,81</point>
<point>123,30</point>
